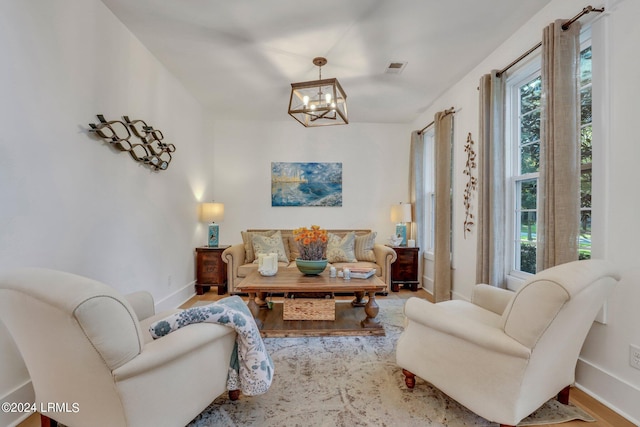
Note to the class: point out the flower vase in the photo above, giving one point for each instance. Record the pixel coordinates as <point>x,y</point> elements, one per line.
<point>310,267</point>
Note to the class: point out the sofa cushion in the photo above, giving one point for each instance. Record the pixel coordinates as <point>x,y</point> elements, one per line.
<point>247,239</point>
<point>270,244</point>
<point>341,249</point>
<point>364,247</point>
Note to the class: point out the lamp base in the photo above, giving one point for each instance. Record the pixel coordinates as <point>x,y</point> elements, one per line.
<point>214,233</point>
<point>401,230</point>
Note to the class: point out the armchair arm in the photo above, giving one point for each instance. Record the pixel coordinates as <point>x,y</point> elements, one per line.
<point>142,303</point>
<point>234,256</point>
<point>491,298</point>
<point>435,317</point>
<point>173,346</point>
<point>385,256</point>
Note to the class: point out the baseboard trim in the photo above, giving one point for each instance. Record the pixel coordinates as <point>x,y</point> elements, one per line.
<point>592,379</point>
<point>177,298</point>
<point>23,393</point>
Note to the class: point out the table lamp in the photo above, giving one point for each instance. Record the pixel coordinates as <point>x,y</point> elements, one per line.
<point>212,212</point>
<point>400,215</point>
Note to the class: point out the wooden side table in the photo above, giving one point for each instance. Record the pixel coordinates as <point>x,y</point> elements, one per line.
<point>406,268</point>
<point>210,269</point>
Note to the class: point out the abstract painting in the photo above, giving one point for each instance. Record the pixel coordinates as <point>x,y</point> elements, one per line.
<point>306,184</point>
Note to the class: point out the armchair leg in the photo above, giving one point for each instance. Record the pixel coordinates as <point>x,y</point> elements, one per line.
<point>234,394</point>
<point>47,422</point>
<point>409,378</point>
<point>563,396</point>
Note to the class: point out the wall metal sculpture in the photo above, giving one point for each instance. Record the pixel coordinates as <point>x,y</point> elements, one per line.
<point>471,185</point>
<point>151,151</point>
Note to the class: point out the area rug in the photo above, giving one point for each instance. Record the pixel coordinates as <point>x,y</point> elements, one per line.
<point>353,381</point>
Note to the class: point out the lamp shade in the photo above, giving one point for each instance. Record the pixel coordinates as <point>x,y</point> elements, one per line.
<point>401,213</point>
<point>212,212</point>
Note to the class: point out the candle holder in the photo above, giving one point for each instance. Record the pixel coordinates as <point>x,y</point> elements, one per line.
<point>268,264</point>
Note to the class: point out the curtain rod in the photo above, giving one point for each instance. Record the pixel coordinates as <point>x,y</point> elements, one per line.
<point>565,27</point>
<point>446,113</point>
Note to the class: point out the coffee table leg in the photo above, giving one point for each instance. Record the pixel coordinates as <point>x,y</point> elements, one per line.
<point>359,299</point>
<point>254,308</point>
<point>371,309</point>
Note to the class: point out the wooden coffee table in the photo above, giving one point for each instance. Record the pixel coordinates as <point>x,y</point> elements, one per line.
<point>289,280</point>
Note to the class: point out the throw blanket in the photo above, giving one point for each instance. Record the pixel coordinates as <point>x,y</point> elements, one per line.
<point>250,367</point>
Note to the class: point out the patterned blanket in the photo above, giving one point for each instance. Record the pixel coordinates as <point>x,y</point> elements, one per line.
<point>250,368</point>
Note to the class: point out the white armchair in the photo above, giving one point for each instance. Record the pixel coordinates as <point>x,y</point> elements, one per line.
<point>504,354</point>
<point>84,344</point>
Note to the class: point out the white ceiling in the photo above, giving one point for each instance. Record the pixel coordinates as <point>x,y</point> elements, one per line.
<point>239,57</point>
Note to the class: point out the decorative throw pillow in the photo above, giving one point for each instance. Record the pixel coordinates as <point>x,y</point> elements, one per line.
<point>294,251</point>
<point>364,247</point>
<point>341,249</point>
<point>247,239</point>
<point>270,244</point>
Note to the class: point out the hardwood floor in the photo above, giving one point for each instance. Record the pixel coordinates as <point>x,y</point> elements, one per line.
<point>604,416</point>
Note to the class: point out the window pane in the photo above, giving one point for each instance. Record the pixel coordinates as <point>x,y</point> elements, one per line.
<point>530,127</point>
<point>586,152</point>
<point>528,194</point>
<point>528,258</point>
<point>530,96</point>
<point>584,243</point>
<point>530,158</point>
<point>585,105</point>
<point>585,189</point>
<point>585,66</point>
<point>526,225</point>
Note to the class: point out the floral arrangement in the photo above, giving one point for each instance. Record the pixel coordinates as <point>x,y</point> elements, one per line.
<point>312,243</point>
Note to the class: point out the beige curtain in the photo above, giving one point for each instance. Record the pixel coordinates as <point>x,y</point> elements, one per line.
<point>559,184</point>
<point>490,261</point>
<point>416,189</point>
<point>443,123</point>
<point>416,195</point>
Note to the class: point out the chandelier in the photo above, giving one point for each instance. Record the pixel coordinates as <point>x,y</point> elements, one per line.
<point>318,102</point>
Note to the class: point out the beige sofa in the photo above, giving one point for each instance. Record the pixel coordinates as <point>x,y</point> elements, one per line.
<point>240,257</point>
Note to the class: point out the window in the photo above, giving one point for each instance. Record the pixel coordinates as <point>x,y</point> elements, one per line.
<point>429,189</point>
<point>586,153</point>
<point>523,157</point>
<point>524,104</point>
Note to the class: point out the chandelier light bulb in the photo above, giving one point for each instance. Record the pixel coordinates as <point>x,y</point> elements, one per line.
<point>327,97</point>
<point>313,106</point>
<point>305,100</point>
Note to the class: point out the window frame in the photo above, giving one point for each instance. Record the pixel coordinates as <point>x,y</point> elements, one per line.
<point>519,75</point>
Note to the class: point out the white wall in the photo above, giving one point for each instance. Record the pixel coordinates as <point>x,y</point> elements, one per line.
<point>69,201</point>
<point>374,161</point>
<point>603,369</point>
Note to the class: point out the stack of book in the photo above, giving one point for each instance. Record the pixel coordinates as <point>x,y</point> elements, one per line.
<point>362,273</point>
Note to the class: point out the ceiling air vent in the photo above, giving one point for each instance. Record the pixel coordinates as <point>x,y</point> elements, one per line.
<point>395,67</point>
